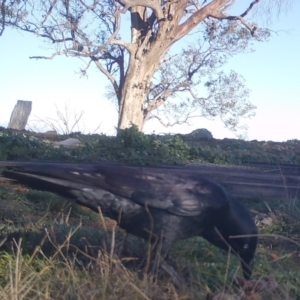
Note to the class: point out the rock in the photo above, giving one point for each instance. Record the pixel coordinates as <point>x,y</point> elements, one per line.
<point>198,134</point>
<point>262,219</point>
<point>69,143</point>
<point>50,133</point>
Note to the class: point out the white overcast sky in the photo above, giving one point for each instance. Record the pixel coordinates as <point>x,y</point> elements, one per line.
<point>272,74</point>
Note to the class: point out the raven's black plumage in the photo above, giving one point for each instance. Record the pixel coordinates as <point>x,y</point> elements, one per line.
<point>172,203</point>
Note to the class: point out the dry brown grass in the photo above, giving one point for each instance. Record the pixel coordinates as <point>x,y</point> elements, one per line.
<point>59,267</point>
<point>39,276</point>
<point>60,277</point>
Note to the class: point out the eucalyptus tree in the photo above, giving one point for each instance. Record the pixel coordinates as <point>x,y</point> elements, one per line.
<point>135,44</point>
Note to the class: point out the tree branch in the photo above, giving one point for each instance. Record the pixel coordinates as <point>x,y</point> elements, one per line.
<point>249,8</point>
<point>48,57</point>
<point>154,5</point>
<point>240,18</point>
<point>112,39</point>
<point>198,17</point>
<point>3,13</point>
<point>163,96</point>
<point>107,74</point>
<point>185,120</point>
<point>121,43</point>
<point>49,12</point>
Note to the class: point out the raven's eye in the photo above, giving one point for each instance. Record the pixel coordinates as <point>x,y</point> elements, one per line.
<point>246,246</point>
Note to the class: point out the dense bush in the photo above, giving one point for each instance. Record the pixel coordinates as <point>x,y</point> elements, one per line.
<point>134,147</point>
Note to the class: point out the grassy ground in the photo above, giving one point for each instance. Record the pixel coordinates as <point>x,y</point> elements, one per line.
<point>54,250</point>
<point>51,249</point>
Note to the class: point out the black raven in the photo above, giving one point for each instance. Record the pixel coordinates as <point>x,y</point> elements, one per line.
<point>170,203</point>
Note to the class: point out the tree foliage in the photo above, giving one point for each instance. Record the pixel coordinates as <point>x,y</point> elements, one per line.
<point>130,42</point>
<point>266,10</point>
<point>11,12</point>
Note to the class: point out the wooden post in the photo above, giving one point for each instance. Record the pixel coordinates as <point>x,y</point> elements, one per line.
<point>20,115</point>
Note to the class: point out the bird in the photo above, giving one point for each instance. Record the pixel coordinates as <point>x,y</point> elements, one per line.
<point>164,204</point>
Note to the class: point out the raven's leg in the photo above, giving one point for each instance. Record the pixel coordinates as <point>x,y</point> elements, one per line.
<point>176,278</point>
<point>159,260</point>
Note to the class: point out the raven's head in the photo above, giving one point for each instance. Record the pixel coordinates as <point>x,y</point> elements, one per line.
<point>238,243</point>
<point>244,246</point>
<point>242,235</point>
<point>235,230</point>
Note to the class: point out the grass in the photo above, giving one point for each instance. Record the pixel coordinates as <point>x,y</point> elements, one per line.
<point>54,250</point>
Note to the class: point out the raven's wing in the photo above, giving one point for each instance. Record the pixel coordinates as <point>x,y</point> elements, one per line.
<point>178,191</point>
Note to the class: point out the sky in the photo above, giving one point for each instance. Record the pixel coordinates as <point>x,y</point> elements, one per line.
<point>272,74</point>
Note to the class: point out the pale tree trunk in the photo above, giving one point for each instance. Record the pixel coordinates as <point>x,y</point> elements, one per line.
<point>144,60</point>
<point>145,56</point>
<point>132,99</point>
<point>134,92</point>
